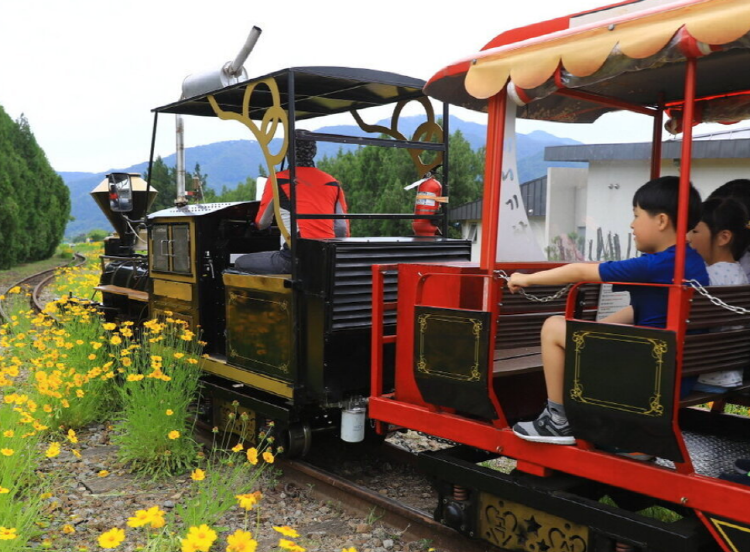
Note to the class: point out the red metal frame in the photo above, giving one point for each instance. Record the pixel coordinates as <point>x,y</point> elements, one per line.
<point>405,409</point>
<point>493,179</point>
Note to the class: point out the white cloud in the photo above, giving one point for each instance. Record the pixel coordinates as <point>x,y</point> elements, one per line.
<point>87,73</point>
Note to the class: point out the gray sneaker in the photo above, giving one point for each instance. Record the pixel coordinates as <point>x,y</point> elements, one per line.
<point>545,430</point>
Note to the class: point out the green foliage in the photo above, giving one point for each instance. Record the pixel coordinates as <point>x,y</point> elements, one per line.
<point>165,181</point>
<point>34,200</point>
<point>374,179</point>
<point>161,372</point>
<point>227,474</point>
<point>98,235</point>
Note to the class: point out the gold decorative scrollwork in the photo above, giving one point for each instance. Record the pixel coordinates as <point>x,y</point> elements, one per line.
<point>514,526</point>
<point>273,117</point>
<point>477,327</point>
<point>426,132</point>
<point>658,349</point>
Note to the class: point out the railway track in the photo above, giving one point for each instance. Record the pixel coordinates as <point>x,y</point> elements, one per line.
<point>321,476</point>
<point>412,523</point>
<point>36,284</point>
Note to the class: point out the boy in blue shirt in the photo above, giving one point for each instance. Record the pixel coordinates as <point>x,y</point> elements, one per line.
<point>655,234</point>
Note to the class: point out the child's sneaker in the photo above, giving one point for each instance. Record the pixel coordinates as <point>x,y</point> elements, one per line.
<point>742,466</point>
<point>545,430</point>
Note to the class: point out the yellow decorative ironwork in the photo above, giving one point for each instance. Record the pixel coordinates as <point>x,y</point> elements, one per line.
<point>426,132</point>
<point>513,526</point>
<point>273,117</point>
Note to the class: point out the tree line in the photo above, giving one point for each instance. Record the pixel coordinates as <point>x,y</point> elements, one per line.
<point>373,179</point>
<point>34,200</point>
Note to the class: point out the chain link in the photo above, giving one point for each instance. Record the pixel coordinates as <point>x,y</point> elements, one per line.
<point>546,299</point>
<point>696,285</point>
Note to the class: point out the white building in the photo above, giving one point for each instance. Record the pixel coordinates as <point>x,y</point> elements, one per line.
<point>590,208</point>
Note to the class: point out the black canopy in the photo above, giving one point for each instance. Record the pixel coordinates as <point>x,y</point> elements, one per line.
<point>318,91</point>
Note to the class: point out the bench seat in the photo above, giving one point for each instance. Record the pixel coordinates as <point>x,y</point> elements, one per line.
<point>521,360</point>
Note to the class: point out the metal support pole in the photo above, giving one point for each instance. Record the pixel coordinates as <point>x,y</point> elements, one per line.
<point>446,165</point>
<point>151,154</point>
<point>656,139</point>
<point>493,179</point>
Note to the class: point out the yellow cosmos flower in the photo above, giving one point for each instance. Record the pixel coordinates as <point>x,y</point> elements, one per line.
<point>80,393</point>
<point>3,490</point>
<point>8,534</point>
<point>241,541</point>
<point>156,517</point>
<point>109,326</point>
<point>9,433</point>
<point>103,473</point>
<point>169,412</point>
<point>198,475</point>
<point>115,340</point>
<point>237,448</point>
<point>352,549</point>
<point>201,537</point>
<point>252,455</point>
<point>247,501</point>
<point>72,436</point>
<point>53,450</point>
<point>268,457</point>
<point>289,545</point>
<point>135,377</point>
<point>68,529</point>
<point>76,453</point>
<point>126,362</point>
<point>112,538</point>
<point>92,356</point>
<point>140,519</point>
<point>174,434</point>
<point>179,355</point>
<point>287,531</point>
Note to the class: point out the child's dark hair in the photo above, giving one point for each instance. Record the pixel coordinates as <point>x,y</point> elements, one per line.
<point>739,189</point>
<point>661,195</point>
<point>728,213</point>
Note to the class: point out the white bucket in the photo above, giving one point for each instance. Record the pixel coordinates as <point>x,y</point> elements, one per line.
<point>353,424</point>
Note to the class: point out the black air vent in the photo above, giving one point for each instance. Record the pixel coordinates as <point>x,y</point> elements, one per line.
<point>349,297</point>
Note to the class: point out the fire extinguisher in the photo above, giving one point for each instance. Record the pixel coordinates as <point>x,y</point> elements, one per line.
<point>427,203</point>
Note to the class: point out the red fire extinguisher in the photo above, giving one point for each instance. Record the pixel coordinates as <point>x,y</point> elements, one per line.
<point>427,203</point>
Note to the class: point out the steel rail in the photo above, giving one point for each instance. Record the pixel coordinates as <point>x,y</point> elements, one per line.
<point>410,522</point>
<point>39,281</point>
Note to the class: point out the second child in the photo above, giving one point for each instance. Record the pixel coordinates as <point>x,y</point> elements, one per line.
<point>721,237</point>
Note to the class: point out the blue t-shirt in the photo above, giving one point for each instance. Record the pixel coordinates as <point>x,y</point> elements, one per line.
<point>650,303</point>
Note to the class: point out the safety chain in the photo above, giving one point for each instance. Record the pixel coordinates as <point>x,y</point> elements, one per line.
<point>562,291</point>
<point>441,440</point>
<point>696,285</point>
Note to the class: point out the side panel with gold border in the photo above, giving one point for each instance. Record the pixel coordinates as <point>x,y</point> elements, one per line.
<point>260,325</point>
<point>619,386</point>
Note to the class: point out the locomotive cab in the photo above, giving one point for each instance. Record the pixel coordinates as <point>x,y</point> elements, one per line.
<point>290,348</point>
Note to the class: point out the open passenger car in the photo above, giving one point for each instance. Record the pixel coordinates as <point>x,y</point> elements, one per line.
<point>467,352</point>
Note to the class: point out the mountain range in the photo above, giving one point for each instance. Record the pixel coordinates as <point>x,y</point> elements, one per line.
<point>229,163</point>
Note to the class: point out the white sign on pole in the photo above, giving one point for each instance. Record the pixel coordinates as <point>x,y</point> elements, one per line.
<point>515,238</point>
<point>260,185</point>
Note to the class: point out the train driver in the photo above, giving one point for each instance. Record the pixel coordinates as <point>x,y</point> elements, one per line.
<point>316,192</point>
